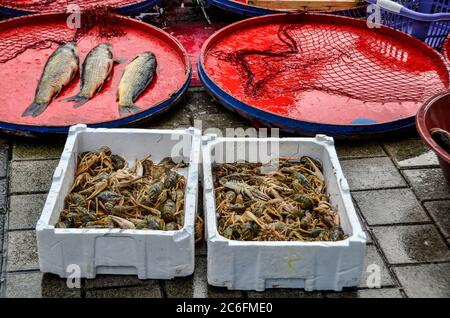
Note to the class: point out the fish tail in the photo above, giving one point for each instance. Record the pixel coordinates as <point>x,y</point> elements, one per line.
<point>128,109</point>
<point>79,100</point>
<point>34,109</point>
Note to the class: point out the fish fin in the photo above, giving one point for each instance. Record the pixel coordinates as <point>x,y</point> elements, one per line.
<point>129,109</point>
<point>34,109</point>
<point>79,100</point>
<point>100,87</point>
<point>120,61</point>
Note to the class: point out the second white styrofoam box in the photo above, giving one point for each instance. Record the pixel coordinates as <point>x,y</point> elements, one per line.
<point>145,253</point>
<point>251,265</point>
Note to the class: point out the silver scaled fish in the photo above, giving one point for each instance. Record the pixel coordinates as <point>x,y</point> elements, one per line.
<point>136,78</point>
<point>96,70</point>
<point>60,69</point>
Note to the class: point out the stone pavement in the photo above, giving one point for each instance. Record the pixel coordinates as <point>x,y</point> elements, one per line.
<point>397,186</point>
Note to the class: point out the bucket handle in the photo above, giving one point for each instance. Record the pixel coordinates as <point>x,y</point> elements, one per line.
<point>395,7</point>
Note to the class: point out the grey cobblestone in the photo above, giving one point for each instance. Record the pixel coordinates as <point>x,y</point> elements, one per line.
<point>201,289</point>
<point>31,176</point>
<point>412,244</point>
<point>220,121</point>
<point>3,196</point>
<point>3,158</point>
<point>371,173</point>
<point>201,103</point>
<point>36,150</point>
<point>179,117</point>
<point>284,293</point>
<point>411,153</point>
<point>353,150</point>
<point>428,184</point>
<point>22,251</point>
<point>367,293</point>
<point>373,257</point>
<point>38,285</point>
<point>2,230</point>
<point>440,212</point>
<point>431,280</point>
<point>150,290</point>
<point>181,287</point>
<point>25,210</point>
<point>384,207</point>
<point>197,286</point>
<point>110,281</point>
<point>363,225</point>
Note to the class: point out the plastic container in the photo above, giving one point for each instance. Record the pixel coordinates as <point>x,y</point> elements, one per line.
<point>145,253</point>
<point>251,265</point>
<point>426,20</point>
<point>435,113</point>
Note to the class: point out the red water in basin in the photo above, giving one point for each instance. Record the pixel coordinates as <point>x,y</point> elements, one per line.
<point>44,6</point>
<point>20,75</point>
<point>342,72</point>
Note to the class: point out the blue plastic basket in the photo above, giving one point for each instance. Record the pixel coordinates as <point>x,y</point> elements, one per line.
<point>427,20</point>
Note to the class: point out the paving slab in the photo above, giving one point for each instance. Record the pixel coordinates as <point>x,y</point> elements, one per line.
<point>390,206</point>
<point>373,257</point>
<point>149,290</point>
<point>4,148</point>
<point>371,173</point>
<point>411,153</point>
<point>201,103</point>
<point>34,150</point>
<point>2,230</point>
<point>440,212</point>
<point>180,287</point>
<point>38,285</point>
<point>369,239</point>
<point>430,280</point>
<point>178,117</point>
<point>25,210</point>
<point>353,150</point>
<point>428,184</point>
<point>221,124</point>
<point>367,293</point>
<point>110,281</point>
<point>3,196</point>
<point>284,293</point>
<point>22,251</point>
<point>201,289</point>
<point>31,176</point>
<point>196,286</point>
<point>363,224</point>
<point>412,244</point>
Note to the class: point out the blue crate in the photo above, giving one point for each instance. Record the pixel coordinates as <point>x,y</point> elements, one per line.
<point>427,20</point>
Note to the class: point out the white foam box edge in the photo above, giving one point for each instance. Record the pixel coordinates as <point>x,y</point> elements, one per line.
<point>145,253</point>
<point>244,265</point>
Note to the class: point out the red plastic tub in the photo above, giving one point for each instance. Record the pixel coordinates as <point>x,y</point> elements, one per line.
<point>435,113</point>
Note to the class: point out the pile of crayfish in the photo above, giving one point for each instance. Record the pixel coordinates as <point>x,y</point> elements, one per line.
<point>108,193</point>
<point>285,200</point>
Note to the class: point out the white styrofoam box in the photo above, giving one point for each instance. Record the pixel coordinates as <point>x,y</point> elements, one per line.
<point>145,253</point>
<point>257,265</point>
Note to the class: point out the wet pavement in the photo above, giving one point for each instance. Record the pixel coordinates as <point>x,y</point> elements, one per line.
<point>398,189</point>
